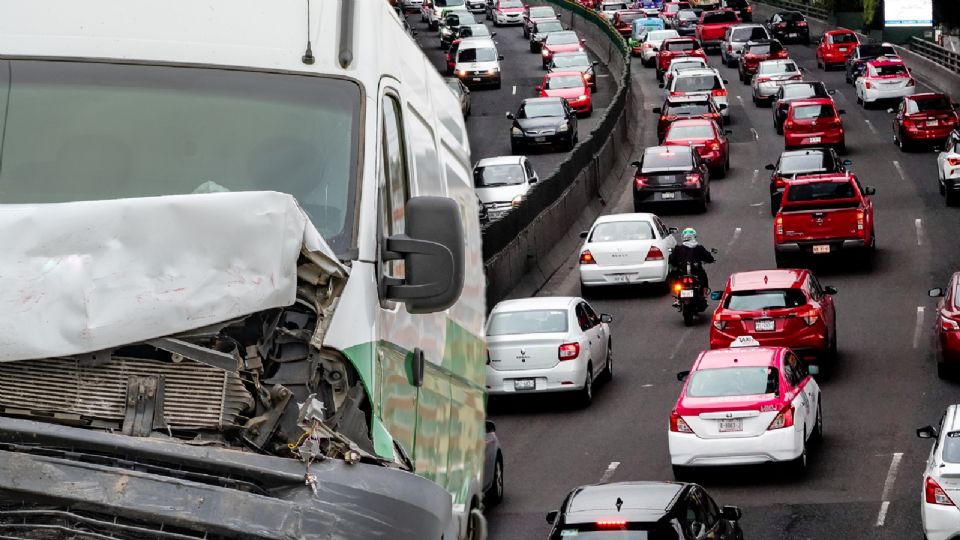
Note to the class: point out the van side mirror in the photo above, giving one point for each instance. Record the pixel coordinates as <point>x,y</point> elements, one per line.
<point>538,88</point>
<point>635,164</point>
<point>927,432</point>
<point>584,234</point>
<point>731,513</point>
<point>682,375</point>
<point>606,318</point>
<point>432,248</point>
<point>716,295</point>
<point>870,190</point>
<point>935,292</point>
<point>552,517</point>
<point>829,290</point>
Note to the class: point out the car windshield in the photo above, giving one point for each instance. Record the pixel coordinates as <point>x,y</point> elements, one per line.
<point>658,159</point>
<point>689,109</point>
<point>799,90</point>
<point>890,70</point>
<point>951,447</point>
<point>564,81</point>
<point>660,35</point>
<point>927,105</point>
<point>772,68</point>
<point>679,132</point>
<point>763,48</point>
<point>448,3</point>
<point>765,299</point>
<point>114,131</point>
<point>571,60</point>
<point>510,174</point>
<point>687,15</point>
<point>820,191</point>
<point>562,38</point>
<point>541,109</point>
<point>873,50</point>
<point>737,381</point>
<point>535,321</point>
<point>483,54</point>
<point>696,83</point>
<point>814,162</point>
<point>549,26</point>
<point>680,45</point>
<point>792,16</point>
<point>746,34</point>
<point>720,18</point>
<point>617,231</point>
<point>541,12</point>
<point>806,112</point>
<point>474,30</point>
<point>840,39</point>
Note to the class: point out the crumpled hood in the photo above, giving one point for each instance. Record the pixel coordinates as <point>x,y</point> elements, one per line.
<point>87,276</point>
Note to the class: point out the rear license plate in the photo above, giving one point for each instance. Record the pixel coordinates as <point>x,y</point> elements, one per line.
<point>764,325</point>
<point>477,79</point>
<point>668,195</point>
<point>792,34</point>
<point>686,293</point>
<point>932,122</point>
<point>524,384</point>
<point>821,249</point>
<point>733,424</point>
<point>814,140</point>
<point>539,139</point>
<point>843,49</point>
<point>622,278</point>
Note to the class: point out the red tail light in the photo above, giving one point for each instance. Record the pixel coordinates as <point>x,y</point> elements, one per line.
<point>693,179</point>
<point>796,78</point>
<point>783,420</point>
<point>587,258</point>
<point>911,82</point>
<point>761,79</point>
<point>654,254</point>
<point>686,281</point>
<point>953,161</point>
<point>720,319</point>
<point>677,424</point>
<point>860,218</point>
<point>779,229</point>
<point>715,146</point>
<point>720,92</point>
<point>867,85</point>
<point>640,182</point>
<point>948,325</point>
<point>676,93</point>
<point>934,494</point>
<point>809,316</point>
<point>801,23</point>
<point>907,122</point>
<point>749,9</point>
<point>569,351</point>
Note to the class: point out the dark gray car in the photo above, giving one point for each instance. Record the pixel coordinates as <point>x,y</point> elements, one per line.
<point>544,121</point>
<point>540,30</point>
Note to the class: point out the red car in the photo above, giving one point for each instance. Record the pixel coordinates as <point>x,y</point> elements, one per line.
<point>814,122</point>
<point>571,86</point>
<point>924,118</point>
<point>675,48</point>
<point>778,308</point>
<point>713,25</point>
<point>947,326</point>
<point>707,137</point>
<point>669,12</point>
<point>835,47</point>
<point>557,42</point>
<point>697,107</point>
<point>755,52</point>
<point>623,21</point>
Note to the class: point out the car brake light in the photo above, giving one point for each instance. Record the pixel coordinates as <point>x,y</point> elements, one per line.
<point>948,325</point>
<point>761,79</point>
<point>677,424</point>
<point>867,85</point>
<point>720,319</point>
<point>953,161</point>
<point>640,182</point>
<point>801,23</point>
<point>693,179</point>
<point>779,229</point>
<point>720,92</point>
<point>783,420</point>
<point>676,93</point>
<point>809,316</point>
<point>860,216</point>
<point>935,494</point>
<point>911,82</point>
<point>781,25</point>
<point>715,146</point>
<point>647,45</point>
<point>569,351</point>
<point>796,78</point>
<point>654,254</point>
<point>587,258</point>
<point>908,122</point>
<point>611,524</point>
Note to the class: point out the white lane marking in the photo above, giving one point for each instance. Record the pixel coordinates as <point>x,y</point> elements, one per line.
<point>607,474</point>
<point>888,487</point>
<point>754,204</point>
<point>741,99</point>
<point>514,90</point>
<point>903,175</point>
<point>756,174</point>
<point>736,234</point>
<point>756,136</point>
<point>648,385</point>
<point>917,331</point>
<point>919,226</point>
<point>676,348</point>
<point>870,125</point>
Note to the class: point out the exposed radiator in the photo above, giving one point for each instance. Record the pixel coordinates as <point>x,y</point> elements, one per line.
<point>195,395</point>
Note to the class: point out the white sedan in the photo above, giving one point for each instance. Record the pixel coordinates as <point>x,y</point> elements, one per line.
<point>884,79</point>
<point>770,76</point>
<point>622,249</point>
<point>547,344</point>
<point>650,44</point>
<point>941,478</point>
<point>948,169</point>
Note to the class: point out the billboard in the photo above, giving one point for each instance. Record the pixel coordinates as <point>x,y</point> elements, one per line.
<point>908,13</point>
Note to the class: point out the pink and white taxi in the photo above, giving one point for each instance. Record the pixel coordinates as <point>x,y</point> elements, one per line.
<point>744,405</point>
<point>884,78</point>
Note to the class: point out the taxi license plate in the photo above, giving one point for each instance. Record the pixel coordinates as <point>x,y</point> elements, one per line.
<point>524,384</point>
<point>668,195</point>
<point>822,249</point>
<point>814,140</point>
<point>686,293</point>
<point>764,325</point>
<point>932,122</point>
<point>539,139</point>
<point>623,278</point>
<point>733,424</point>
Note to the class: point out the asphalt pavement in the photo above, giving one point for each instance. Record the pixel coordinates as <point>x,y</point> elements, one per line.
<point>864,481</point>
<point>521,72</point>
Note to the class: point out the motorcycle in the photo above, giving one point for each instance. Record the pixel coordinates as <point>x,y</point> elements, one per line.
<point>691,296</point>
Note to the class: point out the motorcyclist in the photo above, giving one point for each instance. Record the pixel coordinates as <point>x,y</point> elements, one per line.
<point>693,252</point>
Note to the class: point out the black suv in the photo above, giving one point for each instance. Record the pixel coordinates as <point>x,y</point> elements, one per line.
<point>671,174</point>
<point>545,121</point>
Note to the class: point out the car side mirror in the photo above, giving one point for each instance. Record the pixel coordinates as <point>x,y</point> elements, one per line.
<point>927,432</point>
<point>673,230</point>
<point>726,81</point>
<point>682,375</point>
<point>491,427</point>
<point>714,251</point>
<point>656,49</point>
<point>538,88</point>
<point>552,517</point>
<point>803,69</point>
<point>510,116</point>
<point>832,92</point>
<point>606,318</point>
<point>842,111</point>
<point>770,167</point>
<point>584,234</point>
<point>847,162</point>
<point>499,57</point>
<point>657,110</point>
<point>432,248</point>
<point>493,34</point>
<point>635,164</point>
<point>731,513</point>
<point>583,41</point>
<point>660,85</point>
<point>870,190</point>
<point>716,295</point>
<point>935,292</point>
<point>829,290</point>
<point>728,132</point>
<point>533,179</point>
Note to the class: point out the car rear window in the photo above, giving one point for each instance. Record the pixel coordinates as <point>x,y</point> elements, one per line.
<point>688,109</point>
<point>511,3</point>
<point>687,15</point>
<point>841,39</point>
<point>799,90</point>
<point>765,299</point>
<point>680,46</point>
<point>820,191</point>
<point>484,54</point>
<point>806,112</point>
<point>929,104</point>
<point>746,34</point>
<point>542,12</point>
<point>698,131</point>
<point>542,109</point>
<point>565,81</point>
<point>549,26</point>
<point>535,321</point>
<point>814,162</point>
<point>772,68</point>
<point>509,174</point>
<point>719,18</point>
<point>660,158</point>
<point>737,381</point>
<point>570,60</point>
<point>619,231</point>
<point>893,69</point>
<point>562,38</point>
<point>474,30</point>
<point>697,83</point>
<point>764,48</point>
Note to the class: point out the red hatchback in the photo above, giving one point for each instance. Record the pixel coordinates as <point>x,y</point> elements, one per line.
<point>924,118</point>
<point>696,107</point>
<point>676,48</point>
<point>835,47</point>
<point>947,326</point>
<point>755,52</point>
<point>814,122</point>
<point>707,137</point>
<point>778,308</point>
<point>571,86</point>
<point>557,42</point>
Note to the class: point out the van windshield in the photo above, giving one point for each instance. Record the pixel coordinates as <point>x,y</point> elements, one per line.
<point>84,131</point>
<point>486,54</point>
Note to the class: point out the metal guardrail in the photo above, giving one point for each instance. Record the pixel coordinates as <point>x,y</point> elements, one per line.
<point>803,7</point>
<point>935,53</point>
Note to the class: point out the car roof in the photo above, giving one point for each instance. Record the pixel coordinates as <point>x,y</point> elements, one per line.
<point>697,72</point>
<point>767,279</point>
<point>549,99</point>
<point>811,101</point>
<point>886,61</point>
<point>477,42</point>
<point>839,31</point>
<point>746,25</point>
<point>739,357</point>
<point>644,500</point>
<point>632,216</point>
<point>927,95</point>
<point>760,42</point>
<point>537,302</point>
<point>499,160</point>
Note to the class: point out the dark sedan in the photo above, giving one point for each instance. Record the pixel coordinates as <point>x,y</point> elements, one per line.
<point>795,164</point>
<point>789,26</point>
<point>540,31</point>
<point>856,63</point>
<point>794,91</point>
<point>742,7</point>
<point>671,174</point>
<point>547,121</point>
<point>449,26</point>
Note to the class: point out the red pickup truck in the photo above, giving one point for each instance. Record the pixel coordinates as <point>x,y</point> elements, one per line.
<point>713,25</point>
<point>824,214</point>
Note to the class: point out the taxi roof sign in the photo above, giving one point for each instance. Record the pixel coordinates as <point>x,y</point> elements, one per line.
<point>744,341</point>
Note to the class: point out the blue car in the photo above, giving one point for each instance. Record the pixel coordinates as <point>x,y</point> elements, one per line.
<point>649,4</point>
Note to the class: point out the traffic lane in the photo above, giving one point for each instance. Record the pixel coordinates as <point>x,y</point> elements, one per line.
<point>521,71</point>
<point>838,475</point>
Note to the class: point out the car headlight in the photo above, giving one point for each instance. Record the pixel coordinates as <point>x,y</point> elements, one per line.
<point>460,73</point>
<point>517,200</point>
<point>445,31</point>
<point>516,131</point>
<point>493,71</point>
<point>564,127</point>
<point>581,98</point>
<point>587,76</point>
<point>545,52</point>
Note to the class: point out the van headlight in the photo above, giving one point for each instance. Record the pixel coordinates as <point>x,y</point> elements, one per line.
<point>460,73</point>
<point>493,71</point>
<point>564,127</point>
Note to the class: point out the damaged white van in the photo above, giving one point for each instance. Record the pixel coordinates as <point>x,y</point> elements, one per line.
<point>244,294</point>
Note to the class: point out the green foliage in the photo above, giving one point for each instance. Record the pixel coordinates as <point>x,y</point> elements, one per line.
<point>869,10</point>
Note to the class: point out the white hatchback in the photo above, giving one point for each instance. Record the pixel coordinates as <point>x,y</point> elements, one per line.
<point>650,44</point>
<point>707,82</point>
<point>622,249</point>
<point>547,344</point>
<point>941,478</point>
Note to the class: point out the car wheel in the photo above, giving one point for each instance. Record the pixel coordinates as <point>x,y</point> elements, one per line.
<point>532,48</point>
<point>949,197</point>
<point>778,128</point>
<point>476,525</point>
<point>586,395</point>
<point>608,369</point>
<point>943,371</point>
<point>586,291</point>
<point>516,149</point>
<point>817,435</point>
<point>495,494</point>
<point>782,259</point>
<point>799,465</point>
<point>755,100</point>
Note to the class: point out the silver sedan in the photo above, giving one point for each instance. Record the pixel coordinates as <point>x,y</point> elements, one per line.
<point>771,75</point>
